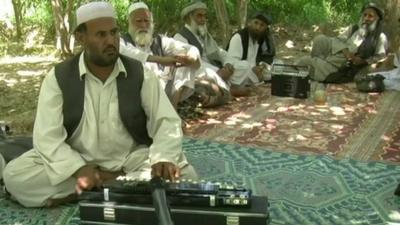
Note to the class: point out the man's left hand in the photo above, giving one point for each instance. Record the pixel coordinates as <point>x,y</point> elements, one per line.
<point>356,60</point>
<point>184,60</point>
<point>168,61</point>
<point>165,170</point>
<point>226,72</point>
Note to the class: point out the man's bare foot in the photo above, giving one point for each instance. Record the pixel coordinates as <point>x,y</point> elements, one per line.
<point>240,91</point>
<point>225,73</point>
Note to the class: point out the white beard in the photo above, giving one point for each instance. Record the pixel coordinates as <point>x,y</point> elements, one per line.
<point>142,38</point>
<point>201,30</point>
<point>363,30</point>
<point>366,29</point>
<point>372,26</point>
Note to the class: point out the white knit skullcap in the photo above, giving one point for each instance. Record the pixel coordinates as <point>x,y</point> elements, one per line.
<point>94,10</point>
<point>193,5</point>
<point>136,6</point>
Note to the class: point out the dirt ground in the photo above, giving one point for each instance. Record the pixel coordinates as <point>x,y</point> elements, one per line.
<point>21,76</point>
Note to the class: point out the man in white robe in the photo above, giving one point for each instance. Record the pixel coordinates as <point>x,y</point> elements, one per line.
<point>174,62</point>
<point>64,161</point>
<point>254,45</point>
<point>215,60</point>
<point>359,46</point>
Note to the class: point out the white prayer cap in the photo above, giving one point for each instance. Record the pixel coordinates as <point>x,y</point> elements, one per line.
<point>193,5</point>
<point>136,6</point>
<point>94,10</point>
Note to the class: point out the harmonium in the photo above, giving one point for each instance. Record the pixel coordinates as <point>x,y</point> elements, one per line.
<point>290,81</point>
<point>126,201</point>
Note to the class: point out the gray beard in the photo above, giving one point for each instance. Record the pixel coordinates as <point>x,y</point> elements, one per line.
<point>140,37</point>
<point>367,29</point>
<point>200,30</point>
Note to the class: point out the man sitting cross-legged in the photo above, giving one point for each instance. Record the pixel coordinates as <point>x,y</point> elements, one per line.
<point>254,45</point>
<point>215,60</point>
<point>175,62</point>
<point>99,115</point>
<point>338,59</point>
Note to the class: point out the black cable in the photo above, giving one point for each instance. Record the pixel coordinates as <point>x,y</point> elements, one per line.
<point>160,201</point>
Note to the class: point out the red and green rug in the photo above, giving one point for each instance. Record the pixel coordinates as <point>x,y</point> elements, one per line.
<point>352,125</point>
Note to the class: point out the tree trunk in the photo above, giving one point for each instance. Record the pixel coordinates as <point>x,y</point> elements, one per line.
<point>63,26</point>
<point>242,12</point>
<point>392,25</point>
<point>17,6</point>
<point>223,19</point>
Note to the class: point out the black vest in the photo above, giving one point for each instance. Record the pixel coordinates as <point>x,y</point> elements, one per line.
<point>262,56</point>
<point>368,46</point>
<point>129,99</point>
<point>186,33</point>
<point>156,45</point>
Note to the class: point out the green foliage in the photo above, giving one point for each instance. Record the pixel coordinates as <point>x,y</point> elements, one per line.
<point>345,11</point>
<point>166,15</point>
<point>310,12</point>
<point>121,6</point>
<point>40,16</point>
<point>167,19</point>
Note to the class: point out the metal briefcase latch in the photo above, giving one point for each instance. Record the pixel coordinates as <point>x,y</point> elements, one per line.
<point>109,214</point>
<point>232,220</point>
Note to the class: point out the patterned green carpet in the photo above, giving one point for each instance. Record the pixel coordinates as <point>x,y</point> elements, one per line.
<point>302,189</point>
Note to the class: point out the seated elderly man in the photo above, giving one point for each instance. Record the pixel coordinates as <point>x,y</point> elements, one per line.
<point>338,59</point>
<point>100,115</point>
<point>254,44</point>
<point>176,63</point>
<point>215,60</point>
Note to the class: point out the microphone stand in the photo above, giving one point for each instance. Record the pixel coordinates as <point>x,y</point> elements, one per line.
<point>160,201</point>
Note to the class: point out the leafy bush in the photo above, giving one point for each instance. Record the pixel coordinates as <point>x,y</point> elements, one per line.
<point>121,6</point>
<point>310,12</point>
<point>167,19</point>
<point>40,16</point>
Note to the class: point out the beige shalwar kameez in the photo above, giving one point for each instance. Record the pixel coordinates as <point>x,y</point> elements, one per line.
<point>327,57</point>
<point>212,52</point>
<point>171,78</point>
<point>45,172</point>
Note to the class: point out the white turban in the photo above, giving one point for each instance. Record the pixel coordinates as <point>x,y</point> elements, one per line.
<point>136,6</point>
<point>94,10</point>
<point>193,5</point>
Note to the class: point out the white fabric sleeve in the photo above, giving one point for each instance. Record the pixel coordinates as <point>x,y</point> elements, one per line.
<point>163,123</point>
<point>380,51</point>
<point>131,51</point>
<point>180,38</point>
<point>235,49</point>
<point>49,135</point>
<point>223,55</point>
<point>172,46</point>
